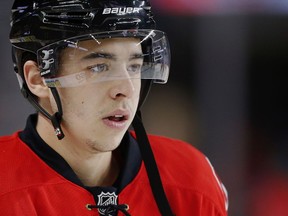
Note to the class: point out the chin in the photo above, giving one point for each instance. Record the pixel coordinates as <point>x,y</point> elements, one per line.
<point>105,144</point>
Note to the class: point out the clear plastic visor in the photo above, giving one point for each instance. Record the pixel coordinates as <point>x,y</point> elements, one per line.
<point>107,56</point>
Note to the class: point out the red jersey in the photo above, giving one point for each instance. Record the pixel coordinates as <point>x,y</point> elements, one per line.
<point>28,186</point>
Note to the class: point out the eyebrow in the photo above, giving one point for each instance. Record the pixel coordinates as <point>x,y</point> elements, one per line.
<point>96,55</point>
<point>137,56</point>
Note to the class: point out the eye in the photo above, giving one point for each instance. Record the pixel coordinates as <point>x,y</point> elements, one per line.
<point>98,68</point>
<point>134,68</point>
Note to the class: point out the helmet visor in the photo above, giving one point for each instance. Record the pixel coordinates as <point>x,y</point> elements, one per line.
<point>106,56</point>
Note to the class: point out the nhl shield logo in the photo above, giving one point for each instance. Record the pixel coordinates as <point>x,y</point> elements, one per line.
<point>105,199</point>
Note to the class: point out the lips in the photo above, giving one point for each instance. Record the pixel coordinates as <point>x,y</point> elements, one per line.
<point>117,119</point>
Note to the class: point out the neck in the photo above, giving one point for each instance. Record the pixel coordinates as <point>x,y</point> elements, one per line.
<point>97,170</point>
<point>93,168</point>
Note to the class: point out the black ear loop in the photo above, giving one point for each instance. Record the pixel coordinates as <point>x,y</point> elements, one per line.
<point>55,118</point>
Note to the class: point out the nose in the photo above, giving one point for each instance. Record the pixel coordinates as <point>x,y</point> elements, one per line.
<point>122,88</point>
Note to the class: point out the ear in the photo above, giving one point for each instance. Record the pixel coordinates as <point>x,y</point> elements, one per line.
<point>34,80</point>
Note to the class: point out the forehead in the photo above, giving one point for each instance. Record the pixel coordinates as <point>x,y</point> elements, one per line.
<point>114,46</point>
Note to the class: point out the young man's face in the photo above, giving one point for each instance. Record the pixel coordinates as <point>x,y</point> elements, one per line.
<point>99,112</point>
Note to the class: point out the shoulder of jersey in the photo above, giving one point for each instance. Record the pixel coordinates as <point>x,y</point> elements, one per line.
<point>180,159</point>
<point>184,168</point>
<point>20,166</point>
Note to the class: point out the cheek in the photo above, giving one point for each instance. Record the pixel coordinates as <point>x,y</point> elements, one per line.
<point>73,101</point>
<point>82,101</point>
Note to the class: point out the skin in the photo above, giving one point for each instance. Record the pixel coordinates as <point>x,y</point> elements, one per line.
<point>89,140</point>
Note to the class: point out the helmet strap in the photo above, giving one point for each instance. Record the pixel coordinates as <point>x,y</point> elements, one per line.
<point>151,166</point>
<point>145,88</point>
<point>55,118</point>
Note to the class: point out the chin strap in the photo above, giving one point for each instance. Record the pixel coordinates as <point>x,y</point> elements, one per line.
<point>151,167</point>
<point>55,118</point>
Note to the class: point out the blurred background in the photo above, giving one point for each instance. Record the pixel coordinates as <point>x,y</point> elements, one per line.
<point>227,93</point>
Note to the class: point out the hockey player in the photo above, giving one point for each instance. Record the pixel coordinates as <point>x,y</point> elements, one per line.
<point>87,66</point>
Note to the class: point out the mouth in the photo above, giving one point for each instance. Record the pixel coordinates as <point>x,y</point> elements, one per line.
<point>116,119</point>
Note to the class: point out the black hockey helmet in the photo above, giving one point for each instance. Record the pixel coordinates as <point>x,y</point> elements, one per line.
<point>37,23</point>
